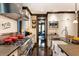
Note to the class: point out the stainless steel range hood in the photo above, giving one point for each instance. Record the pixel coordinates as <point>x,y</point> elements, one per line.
<point>12,10</point>
<point>9,8</point>
<point>14,16</point>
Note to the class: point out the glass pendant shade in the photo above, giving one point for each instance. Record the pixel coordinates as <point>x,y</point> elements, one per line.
<point>76,15</point>
<point>75,21</point>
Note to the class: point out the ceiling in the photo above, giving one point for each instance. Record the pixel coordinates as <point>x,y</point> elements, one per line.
<point>43,8</point>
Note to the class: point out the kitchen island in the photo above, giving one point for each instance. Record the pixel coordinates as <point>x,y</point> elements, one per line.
<point>70,49</point>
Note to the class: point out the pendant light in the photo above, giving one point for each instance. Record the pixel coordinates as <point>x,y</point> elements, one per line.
<point>76,15</point>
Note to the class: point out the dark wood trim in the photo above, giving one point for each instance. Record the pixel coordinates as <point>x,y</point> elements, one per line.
<point>42,15</point>
<point>37,37</point>
<point>36,30</point>
<point>24,7</point>
<point>29,11</point>
<point>78,26</point>
<point>61,12</point>
<point>58,12</point>
<point>46,47</point>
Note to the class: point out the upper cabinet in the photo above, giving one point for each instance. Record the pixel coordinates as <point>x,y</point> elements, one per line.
<point>15,10</point>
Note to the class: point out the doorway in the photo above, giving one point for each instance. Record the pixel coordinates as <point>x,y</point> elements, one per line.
<point>41,35</point>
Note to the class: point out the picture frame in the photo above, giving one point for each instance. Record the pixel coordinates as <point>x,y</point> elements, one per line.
<point>33,26</point>
<point>33,23</point>
<point>53,24</point>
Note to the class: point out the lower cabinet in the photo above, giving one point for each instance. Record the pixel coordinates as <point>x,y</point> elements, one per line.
<point>56,50</point>
<point>24,49</point>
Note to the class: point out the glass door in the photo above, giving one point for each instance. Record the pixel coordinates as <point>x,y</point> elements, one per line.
<point>41,33</point>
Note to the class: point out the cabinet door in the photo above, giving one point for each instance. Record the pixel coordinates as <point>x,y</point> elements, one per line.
<point>60,52</point>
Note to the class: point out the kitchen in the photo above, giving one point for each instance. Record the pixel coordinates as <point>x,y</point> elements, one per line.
<point>26,30</point>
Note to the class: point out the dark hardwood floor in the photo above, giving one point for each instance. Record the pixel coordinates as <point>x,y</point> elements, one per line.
<point>41,51</point>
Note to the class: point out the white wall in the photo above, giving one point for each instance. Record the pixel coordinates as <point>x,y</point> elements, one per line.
<point>64,19</point>
<point>13,27</point>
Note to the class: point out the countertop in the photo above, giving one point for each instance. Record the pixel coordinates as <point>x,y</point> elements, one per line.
<point>70,49</point>
<point>6,50</point>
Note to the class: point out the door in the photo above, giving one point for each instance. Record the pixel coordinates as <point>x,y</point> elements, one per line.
<point>41,35</point>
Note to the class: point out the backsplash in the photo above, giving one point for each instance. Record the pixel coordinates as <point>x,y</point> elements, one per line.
<point>7,25</point>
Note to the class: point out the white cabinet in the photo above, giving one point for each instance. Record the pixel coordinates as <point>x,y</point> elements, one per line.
<point>60,52</point>
<point>56,50</point>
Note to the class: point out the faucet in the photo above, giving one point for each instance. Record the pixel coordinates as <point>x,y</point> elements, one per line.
<point>65,31</point>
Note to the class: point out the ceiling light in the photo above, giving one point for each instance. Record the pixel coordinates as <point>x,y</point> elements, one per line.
<point>75,21</point>
<point>76,15</point>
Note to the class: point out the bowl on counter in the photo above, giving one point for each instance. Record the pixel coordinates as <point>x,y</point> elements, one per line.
<point>20,36</point>
<point>10,39</point>
<point>14,38</point>
<point>75,40</point>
